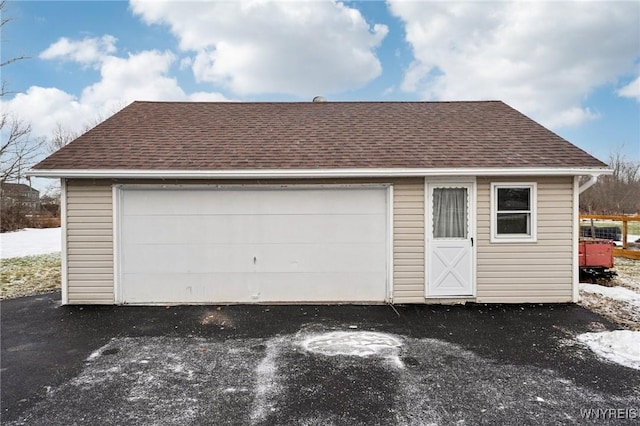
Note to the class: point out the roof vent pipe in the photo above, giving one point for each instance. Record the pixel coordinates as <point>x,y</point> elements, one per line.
<point>319,99</point>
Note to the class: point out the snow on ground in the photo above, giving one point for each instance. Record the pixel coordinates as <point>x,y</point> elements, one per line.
<point>191,380</point>
<point>29,242</point>
<point>621,305</point>
<point>619,346</point>
<point>621,302</point>
<point>267,382</point>
<point>631,238</point>
<point>617,293</point>
<point>355,343</point>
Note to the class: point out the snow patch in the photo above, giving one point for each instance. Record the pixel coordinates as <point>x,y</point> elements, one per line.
<point>94,355</point>
<point>356,343</point>
<point>30,242</point>
<point>632,238</point>
<point>229,373</point>
<point>616,293</point>
<point>619,346</point>
<point>235,390</point>
<point>266,389</point>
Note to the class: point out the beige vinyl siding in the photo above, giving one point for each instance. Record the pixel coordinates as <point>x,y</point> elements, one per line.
<point>89,242</point>
<point>534,271</point>
<point>90,236</point>
<point>506,272</point>
<point>408,241</point>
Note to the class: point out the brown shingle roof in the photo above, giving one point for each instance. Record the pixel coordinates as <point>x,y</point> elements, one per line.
<point>324,135</point>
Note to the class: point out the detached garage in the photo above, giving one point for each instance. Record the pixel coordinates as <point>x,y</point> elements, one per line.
<point>354,202</point>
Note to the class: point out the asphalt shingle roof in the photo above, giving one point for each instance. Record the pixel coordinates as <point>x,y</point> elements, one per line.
<point>317,135</point>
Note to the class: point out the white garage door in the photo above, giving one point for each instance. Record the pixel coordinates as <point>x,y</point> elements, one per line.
<point>206,245</point>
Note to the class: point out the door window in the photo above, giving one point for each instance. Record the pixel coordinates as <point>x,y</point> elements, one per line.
<point>450,213</point>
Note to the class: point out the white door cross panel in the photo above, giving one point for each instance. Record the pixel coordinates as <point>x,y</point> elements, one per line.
<point>450,270</point>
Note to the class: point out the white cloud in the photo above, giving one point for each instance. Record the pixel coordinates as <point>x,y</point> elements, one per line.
<point>257,47</point>
<point>186,63</point>
<point>87,51</point>
<point>142,76</point>
<point>631,90</point>
<point>542,58</point>
<point>45,107</point>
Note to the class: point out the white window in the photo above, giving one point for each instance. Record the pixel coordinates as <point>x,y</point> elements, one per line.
<point>513,212</point>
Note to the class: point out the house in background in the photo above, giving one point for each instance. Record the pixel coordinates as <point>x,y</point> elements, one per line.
<point>19,194</point>
<point>320,202</point>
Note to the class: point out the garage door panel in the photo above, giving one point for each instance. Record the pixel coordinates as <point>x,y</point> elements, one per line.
<point>321,259</point>
<point>246,229</point>
<point>290,258</point>
<point>243,288</point>
<point>249,202</point>
<point>279,245</point>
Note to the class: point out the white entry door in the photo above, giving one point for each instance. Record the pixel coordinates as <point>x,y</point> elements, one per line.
<point>252,245</point>
<point>450,251</point>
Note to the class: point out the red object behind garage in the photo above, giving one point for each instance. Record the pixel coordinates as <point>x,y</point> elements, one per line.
<point>595,253</point>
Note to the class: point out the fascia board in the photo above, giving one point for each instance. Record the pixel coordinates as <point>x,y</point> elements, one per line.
<point>310,173</point>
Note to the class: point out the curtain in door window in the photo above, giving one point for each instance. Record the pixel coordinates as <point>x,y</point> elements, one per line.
<point>449,212</point>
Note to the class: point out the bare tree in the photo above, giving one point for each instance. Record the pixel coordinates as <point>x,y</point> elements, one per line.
<point>3,21</point>
<point>18,150</point>
<point>60,137</point>
<point>618,193</point>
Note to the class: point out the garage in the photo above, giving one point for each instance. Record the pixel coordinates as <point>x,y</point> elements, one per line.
<point>317,202</point>
<point>237,244</point>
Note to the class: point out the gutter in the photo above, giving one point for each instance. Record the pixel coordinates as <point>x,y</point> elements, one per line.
<point>588,184</point>
<point>311,173</point>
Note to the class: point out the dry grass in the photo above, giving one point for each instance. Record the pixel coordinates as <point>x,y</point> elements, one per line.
<point>619,312</point>
<point>628,274</point>
<point>30,275</point>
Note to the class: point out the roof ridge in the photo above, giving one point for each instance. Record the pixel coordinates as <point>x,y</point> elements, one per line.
<point>230,102</point>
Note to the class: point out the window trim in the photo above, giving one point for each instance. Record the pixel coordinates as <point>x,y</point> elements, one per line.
<point>514,238</point>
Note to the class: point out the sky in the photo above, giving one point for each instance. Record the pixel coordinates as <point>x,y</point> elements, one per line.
<point>572,66</point>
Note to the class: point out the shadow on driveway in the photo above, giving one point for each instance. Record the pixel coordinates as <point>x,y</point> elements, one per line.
<point>508,364</point>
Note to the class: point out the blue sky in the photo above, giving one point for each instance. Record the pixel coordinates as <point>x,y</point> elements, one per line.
<point>574,67</point>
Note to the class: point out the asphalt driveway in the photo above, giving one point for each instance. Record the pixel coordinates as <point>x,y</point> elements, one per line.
<point>307,365</point>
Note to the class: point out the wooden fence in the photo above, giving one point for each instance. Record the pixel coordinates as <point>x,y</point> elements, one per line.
<point>630,250</point>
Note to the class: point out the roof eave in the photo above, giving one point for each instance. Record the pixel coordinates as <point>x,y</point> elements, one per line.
<point>315,173</point>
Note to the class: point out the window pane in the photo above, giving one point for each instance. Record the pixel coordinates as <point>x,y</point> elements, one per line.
<point>513,199</point>
<point>450,213</point>
<point>514,223</point>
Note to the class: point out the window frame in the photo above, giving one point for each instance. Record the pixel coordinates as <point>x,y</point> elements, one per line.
<point>533,209</point>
